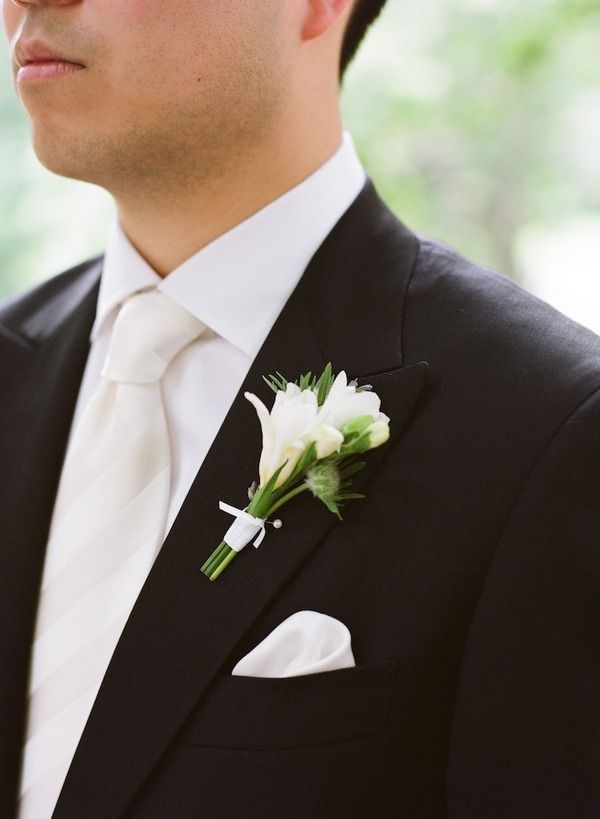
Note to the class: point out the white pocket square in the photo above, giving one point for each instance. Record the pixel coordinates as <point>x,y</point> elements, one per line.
<point>305,643</point>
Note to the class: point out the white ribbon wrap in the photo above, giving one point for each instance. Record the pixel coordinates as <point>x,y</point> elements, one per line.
<point>243,528</point>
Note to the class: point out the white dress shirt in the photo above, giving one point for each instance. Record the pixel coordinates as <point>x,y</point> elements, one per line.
<point>237,286</point>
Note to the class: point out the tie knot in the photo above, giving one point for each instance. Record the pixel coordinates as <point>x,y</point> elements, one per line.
<point>149,331</point>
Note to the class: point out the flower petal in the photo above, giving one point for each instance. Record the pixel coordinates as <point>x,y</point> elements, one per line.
<point>328,440</point>
<point>344,403</point>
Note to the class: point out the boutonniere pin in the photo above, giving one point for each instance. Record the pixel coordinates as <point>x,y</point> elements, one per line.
<point>312,438</point>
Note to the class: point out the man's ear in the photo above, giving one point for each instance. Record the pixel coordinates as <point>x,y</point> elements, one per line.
<point>321,15</point>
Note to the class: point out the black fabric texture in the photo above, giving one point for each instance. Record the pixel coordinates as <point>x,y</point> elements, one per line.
<point>469,577</point>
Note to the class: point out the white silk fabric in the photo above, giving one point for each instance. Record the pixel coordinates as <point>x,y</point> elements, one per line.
<point>109,520</point>
<point>307,642</point>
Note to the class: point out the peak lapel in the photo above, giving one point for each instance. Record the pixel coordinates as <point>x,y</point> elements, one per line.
<point>42,354</point>
<point>183,628</point>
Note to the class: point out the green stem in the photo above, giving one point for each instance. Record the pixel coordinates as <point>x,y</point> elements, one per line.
<point>258,507</point>
<point>215,559</point>
<point>223,564</point>
<point>286,498</point>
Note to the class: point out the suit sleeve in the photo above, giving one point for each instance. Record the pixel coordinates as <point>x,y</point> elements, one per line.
<point>525,741</point>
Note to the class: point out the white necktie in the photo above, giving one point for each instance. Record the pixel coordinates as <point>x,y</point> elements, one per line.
<point>107,528</point>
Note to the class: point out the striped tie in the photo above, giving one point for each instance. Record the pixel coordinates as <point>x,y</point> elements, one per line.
<point>106,531</point>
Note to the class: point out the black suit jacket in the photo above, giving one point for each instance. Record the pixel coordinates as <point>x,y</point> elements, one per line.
<point>469,577</point>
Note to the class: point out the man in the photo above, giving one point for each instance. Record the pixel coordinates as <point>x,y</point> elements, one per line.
<point>248,242</point>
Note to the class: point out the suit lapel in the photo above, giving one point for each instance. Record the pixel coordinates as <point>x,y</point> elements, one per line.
<point>43,348</point>
<point>184,629</point>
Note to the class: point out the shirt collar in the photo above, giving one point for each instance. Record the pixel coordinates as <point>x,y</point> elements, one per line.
<point>238,284</point>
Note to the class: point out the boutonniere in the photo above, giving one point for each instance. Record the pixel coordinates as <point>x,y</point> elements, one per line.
<point>312,438</point>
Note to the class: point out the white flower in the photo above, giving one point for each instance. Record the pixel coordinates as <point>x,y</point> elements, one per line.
<point>296,421</point>
<point>285,430</point>
<point>308,442</point>
<point>328,440</point>
<point>344,403</point>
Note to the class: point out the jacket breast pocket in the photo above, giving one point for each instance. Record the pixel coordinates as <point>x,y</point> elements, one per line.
<point>293,712</point>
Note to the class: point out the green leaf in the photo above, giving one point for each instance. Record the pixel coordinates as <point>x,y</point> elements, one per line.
<point>309,456</point>
<point>324,384</point>
<point>332,506</point>
<point>305,381</point>
<point>276,382</point>
<point>262,499</point>
<point>351,468</point>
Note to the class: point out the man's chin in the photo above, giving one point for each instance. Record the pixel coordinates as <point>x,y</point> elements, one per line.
<point>60,160</point>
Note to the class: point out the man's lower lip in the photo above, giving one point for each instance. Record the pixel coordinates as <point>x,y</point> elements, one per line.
<point>46,69</point>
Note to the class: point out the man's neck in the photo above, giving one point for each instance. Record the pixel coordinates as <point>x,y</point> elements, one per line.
<point>186,219</point>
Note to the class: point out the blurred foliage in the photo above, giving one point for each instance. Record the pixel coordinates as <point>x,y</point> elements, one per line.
<point>474,117</point>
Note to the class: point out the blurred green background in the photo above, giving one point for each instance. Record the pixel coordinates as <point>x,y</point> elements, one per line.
<point>479,121</point>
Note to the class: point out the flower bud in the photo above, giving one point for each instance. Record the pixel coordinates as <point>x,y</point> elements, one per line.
<point>374,435</point>
<point>379,432</point>
<point>328,440</point>
<point>323,480</point>
<point>356,426</point>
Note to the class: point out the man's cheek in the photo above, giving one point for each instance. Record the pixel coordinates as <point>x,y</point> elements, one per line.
<point>12,16</point>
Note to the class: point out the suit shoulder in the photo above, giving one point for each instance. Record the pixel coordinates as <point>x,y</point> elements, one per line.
<point>506,370</point>
<point>40,308</point>
<point>483,314</point>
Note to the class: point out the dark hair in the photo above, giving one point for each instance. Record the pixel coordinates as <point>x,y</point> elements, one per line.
<point>363,14</point>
